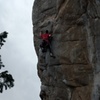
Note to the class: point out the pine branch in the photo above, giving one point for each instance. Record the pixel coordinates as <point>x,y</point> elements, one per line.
<point>6,80</point>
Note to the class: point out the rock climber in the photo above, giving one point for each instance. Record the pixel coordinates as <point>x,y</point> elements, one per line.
<point>46,42</point>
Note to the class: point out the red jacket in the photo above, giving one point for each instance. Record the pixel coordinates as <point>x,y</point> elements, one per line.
<point>45,36</point>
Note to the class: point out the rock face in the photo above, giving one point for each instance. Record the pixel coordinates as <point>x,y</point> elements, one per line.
<point>75,27</point>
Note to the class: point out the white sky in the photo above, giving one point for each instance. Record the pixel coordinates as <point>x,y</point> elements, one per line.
<point>18,53</point>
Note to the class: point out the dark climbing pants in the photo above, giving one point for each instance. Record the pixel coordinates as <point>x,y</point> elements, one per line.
<point>45,45</point>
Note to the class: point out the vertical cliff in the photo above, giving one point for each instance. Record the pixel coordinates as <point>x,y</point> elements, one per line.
<point>75,27</point>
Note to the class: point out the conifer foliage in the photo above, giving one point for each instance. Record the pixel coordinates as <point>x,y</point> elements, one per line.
<point>6,79</point>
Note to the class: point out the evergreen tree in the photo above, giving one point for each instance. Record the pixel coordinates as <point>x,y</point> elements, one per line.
<point>6,79</point>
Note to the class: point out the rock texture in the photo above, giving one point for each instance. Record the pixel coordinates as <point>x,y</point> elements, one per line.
<point>75,27</point>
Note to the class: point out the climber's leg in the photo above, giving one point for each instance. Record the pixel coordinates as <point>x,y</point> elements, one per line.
<point>51,53</point>
<point>43,46</point>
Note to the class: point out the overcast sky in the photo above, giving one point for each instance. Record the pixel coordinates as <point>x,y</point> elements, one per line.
<point>18,53</point>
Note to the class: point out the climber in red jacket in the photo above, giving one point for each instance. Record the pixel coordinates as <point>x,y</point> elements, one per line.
<point>46,40</point>
<point>45,36</point>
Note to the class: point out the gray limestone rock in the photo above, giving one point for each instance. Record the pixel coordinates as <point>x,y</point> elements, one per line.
<point>75,27</point>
